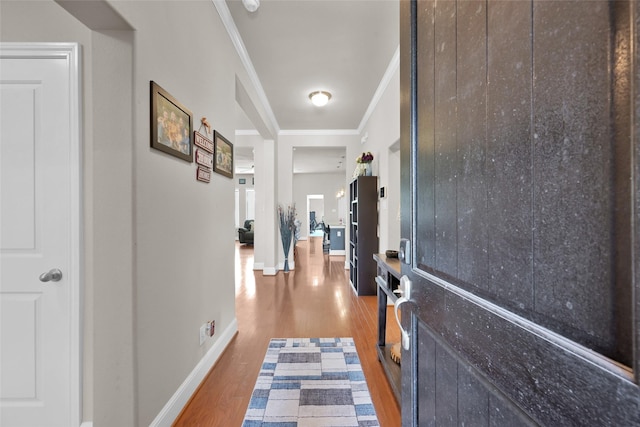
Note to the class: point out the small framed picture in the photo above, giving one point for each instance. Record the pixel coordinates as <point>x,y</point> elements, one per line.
<point>203,174</point>
<point>242,181</point>
<point>171,125</point>
<point>223,155</point>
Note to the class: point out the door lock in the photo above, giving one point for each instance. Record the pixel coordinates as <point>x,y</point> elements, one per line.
<point>404,253</point>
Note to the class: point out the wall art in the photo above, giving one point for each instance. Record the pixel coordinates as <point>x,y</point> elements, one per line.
<point>203,174</point>
<point>223,155</point>
<point>171,125</point>
<point>202,141</point>
<point>204,159</point>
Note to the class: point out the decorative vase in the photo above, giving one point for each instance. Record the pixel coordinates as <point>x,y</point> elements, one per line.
<point>287,229</point>
<point>367,169</point>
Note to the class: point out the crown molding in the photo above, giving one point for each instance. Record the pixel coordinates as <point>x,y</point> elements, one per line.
<point>247,132</point>
<point>318,132</point>
<point>232,30</point>
<point>382,87</point>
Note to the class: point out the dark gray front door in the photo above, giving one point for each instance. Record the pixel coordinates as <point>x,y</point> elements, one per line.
<point>519,134</point>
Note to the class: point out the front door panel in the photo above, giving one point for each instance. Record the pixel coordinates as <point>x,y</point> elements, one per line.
<point>517,131</point>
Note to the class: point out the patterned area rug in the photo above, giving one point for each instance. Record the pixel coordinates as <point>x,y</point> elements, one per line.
<point>311,382</point>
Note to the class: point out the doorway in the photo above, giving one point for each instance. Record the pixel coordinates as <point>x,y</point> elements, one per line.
<point>315,214</point>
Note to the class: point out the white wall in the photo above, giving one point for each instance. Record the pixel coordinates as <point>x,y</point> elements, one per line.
<point>317,184</point>
<point>391,202</point>
<point>159,245</point>
<point>383,131</point>
<point>184,228</point>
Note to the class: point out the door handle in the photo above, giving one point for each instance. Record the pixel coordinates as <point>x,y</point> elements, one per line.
<point>53,275</point>
<point>405,295</point>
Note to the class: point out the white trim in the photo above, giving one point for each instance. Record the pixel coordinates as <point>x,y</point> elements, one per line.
<point>269,271</point>
<point>386,79</point>
<point>70,51</point>
<point>174,406</point>
<point>337,252</point>
<point>247,132</point>
<point>232,30</point>
<point>318,132</point>
<point>258,266</point>
<point>87,424</point>
<point>77,219</point>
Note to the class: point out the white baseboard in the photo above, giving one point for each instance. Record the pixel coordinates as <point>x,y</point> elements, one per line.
<point>87,424</point>
<point>174,406</point>
<point>269,271</point>
<point>292,266</point>
<point>346,265</point>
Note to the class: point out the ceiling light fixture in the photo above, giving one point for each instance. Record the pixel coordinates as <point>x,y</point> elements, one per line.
<point>320,98</point>
<point>251,5</point>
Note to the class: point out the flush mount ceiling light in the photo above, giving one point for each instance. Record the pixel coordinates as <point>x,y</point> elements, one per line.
<point>319,98</point>
<point>251,5</point>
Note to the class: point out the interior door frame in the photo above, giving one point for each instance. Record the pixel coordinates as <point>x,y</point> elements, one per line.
<point>71,52</point>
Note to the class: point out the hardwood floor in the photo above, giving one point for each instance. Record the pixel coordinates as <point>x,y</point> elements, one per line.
<point>315,300</point>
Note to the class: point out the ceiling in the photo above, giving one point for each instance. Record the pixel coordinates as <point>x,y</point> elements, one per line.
<point>298,46</point>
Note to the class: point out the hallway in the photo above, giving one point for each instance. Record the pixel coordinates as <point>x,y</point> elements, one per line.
<point>315,300</point>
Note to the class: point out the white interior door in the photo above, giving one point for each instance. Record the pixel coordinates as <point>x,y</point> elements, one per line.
<point>39,232</point>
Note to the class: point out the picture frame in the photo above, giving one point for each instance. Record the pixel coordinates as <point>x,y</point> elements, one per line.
<point>222,155</point>
<point>171,125</point>
<point>203,174</point>
<point>242,181</point>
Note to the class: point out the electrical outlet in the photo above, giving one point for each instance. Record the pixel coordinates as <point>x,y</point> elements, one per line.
<point>203,333</point>
<point>212,328</point>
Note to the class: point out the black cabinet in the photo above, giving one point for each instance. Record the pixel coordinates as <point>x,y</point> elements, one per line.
<point>363,234</point>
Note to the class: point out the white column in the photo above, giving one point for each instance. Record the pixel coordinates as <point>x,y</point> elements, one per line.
<point>267,238</point>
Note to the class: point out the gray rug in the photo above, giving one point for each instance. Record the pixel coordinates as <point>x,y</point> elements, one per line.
<point>311,382</point>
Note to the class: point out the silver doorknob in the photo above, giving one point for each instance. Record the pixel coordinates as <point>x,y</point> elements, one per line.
<point>53,275</point>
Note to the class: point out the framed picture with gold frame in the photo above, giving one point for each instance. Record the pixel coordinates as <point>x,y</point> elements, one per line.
<point>171,125</point>
<point>223,155</point>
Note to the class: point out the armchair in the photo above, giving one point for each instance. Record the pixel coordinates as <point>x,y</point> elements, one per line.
<point>245,234</point>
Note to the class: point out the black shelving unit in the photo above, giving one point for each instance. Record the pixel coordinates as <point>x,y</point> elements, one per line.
<point>363,234</point>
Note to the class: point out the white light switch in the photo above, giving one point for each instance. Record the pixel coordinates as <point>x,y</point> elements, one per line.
<point>339,233</point>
